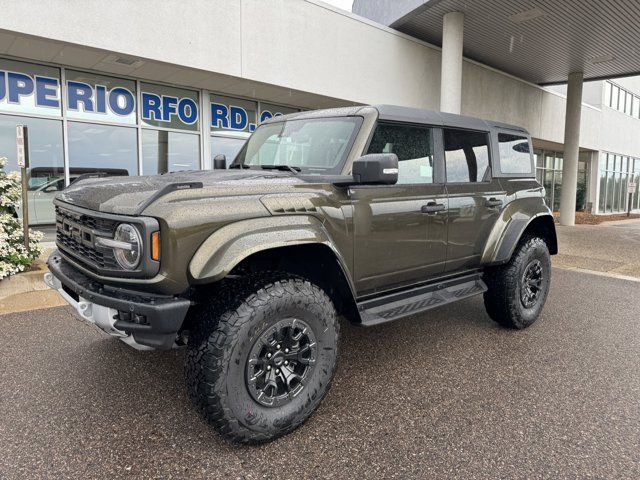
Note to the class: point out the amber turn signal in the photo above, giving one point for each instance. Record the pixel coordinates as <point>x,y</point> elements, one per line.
<point>155,246</point>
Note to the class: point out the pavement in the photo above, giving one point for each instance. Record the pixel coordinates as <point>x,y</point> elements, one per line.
<point>446,394</point>
<point>611,248</point>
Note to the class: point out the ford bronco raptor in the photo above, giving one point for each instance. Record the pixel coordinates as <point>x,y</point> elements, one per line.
<point>370,213</point>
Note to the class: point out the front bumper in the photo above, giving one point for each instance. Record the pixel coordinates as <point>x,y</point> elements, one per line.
<point>140,319</point>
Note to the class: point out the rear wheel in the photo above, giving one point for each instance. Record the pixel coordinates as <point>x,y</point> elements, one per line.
<point>262,356</point>
<point>517,291</point>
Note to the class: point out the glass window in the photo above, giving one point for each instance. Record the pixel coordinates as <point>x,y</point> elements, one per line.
<point>603,191</point>
<point>628,104</point>
<point>164,151</point>
<point>99,97</point>
<point>607,94</point>
<point>227,146</point>
<point>314,145</point>
<point>26,88</point>
<point>268,110</point>
<point>466,155</point>
<point>557,190</point>
<point>94,147</point>
<point>548,187</point>
<point>233,115</point>
<point>46,172</point>
<point>412,145</point>
<point>611,184</point>
<point>515,156</point>
<point>615,93</point>
<point>169,107</point>
<point>636,107</point>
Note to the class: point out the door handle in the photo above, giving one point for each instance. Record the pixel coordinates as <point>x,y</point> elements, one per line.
<point>433,207</point>
<point>493,203</point>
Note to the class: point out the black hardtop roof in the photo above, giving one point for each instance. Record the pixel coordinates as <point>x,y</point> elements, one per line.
<point>394,113</point>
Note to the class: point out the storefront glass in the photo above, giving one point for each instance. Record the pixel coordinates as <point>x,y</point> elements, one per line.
<point>549,173</point>
<point>97,146</point>
<point>616,171</point>
<point>164,151</point>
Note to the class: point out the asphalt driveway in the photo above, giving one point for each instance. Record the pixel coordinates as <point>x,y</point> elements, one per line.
<point>443,395</point>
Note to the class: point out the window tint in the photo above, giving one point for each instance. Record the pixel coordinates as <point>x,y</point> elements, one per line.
<point>515,156</point>
<point>466,155</point>
<point>412,145</point>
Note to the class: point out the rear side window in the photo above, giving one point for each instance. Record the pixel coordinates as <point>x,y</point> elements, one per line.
<point>466,155</point>
<point>413,146</point>
<point>515,155</point>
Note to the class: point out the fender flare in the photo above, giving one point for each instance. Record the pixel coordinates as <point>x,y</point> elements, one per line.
<point>228,246</point>
<point>508,230</point>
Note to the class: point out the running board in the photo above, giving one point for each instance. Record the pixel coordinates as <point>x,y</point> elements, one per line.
<point>420,299</point>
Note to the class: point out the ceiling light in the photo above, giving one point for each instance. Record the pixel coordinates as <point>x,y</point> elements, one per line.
<point>602,59</point>
<point>527,15</point>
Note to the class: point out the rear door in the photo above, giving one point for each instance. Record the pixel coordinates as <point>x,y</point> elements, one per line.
<point>400,230</point>
<point>475,197</point>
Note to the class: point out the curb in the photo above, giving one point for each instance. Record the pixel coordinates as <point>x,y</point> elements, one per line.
<point>24,282</point>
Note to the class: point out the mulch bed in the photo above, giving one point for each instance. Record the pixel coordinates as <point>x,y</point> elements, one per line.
<point>584,218</point>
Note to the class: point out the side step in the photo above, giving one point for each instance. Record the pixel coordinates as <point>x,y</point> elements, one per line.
<point>416,300</point>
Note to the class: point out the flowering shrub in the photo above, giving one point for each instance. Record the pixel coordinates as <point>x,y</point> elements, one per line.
<point>13,256</point>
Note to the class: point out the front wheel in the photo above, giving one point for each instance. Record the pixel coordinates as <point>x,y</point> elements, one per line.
<point>262,356</point>
<point>518,290</point>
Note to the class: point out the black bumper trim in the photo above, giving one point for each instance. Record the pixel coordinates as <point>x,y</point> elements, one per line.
<point>165,314</point>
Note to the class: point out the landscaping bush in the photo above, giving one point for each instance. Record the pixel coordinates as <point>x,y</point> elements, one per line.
<point>14,257</point>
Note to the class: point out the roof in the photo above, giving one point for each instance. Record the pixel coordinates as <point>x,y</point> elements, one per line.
<point>541,41</point>
<point>394,113</point>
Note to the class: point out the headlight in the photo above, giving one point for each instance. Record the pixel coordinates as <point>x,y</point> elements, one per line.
<point>129,250</point>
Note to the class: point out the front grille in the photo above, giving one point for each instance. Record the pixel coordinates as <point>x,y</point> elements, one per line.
<point>76,234</point>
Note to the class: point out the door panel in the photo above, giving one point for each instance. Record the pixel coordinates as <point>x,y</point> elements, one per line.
<point>473,210</point>
<point>396,244</point>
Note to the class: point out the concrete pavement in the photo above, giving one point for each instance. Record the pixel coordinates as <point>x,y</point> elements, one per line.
<point>443,395</point>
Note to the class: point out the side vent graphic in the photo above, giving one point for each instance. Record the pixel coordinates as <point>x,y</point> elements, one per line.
<point>288,204</point>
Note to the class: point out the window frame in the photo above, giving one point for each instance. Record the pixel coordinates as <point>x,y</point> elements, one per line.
<point>438,152</point>
<point>490,149</point>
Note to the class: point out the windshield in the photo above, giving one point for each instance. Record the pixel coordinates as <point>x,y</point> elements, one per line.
<point>318,145</point>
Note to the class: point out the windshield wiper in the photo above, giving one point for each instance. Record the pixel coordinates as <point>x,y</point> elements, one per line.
<point>284,168</point>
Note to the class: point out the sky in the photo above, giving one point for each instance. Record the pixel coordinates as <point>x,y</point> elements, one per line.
<point>344,4</point>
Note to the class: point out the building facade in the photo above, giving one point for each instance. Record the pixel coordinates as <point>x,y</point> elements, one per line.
<point>104,90</point>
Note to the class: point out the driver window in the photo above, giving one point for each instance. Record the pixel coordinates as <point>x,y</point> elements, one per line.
<point>413,146</point>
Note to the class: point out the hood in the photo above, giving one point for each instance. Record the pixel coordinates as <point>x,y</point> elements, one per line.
<point>131,195</point>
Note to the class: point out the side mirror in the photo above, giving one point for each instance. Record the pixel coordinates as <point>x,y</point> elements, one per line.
<point>376,169</point>
<point>219,162</point>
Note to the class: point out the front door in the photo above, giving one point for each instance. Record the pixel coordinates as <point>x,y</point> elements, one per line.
<point>475,198</point>
<point>401,229</point>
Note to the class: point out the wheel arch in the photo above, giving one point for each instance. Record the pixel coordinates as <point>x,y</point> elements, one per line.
<point>523,219</point>
<point>296,244</point>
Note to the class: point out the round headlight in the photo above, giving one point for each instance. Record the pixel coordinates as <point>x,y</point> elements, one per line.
<point>128,258</point>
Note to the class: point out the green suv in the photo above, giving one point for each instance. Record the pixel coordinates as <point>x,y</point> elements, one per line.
<point>370,213</point>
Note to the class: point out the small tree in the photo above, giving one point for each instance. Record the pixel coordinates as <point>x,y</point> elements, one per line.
<point>14,257</point>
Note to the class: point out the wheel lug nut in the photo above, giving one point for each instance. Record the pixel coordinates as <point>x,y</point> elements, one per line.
<point>277,371</point>
<point>268,367</point>
<point>286,350</point>
<point>268,355</point>
<point>278,346</point>
<point>286,362</point>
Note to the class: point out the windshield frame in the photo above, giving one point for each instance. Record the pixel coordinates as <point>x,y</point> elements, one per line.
<point>335,170</point>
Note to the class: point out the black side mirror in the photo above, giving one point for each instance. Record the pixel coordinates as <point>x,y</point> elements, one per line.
<point>219,162</point>
<point>376,168</point>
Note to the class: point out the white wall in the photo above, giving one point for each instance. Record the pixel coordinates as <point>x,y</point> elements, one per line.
<point>304,46</point>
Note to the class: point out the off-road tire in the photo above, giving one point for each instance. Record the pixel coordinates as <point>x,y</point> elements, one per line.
<point>503,300</point>
<point>223,336</point>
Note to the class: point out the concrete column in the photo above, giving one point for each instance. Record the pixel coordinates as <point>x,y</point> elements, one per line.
<point>451,71</point>
<point>571,149</point>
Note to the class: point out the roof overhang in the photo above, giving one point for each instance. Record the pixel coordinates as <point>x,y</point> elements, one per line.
<point>541,41</point>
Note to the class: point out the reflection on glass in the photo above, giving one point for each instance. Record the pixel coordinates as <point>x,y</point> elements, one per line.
<point>229,147</point>
<point>164,151</point>
<point>548,186</point>
<point>46,172</point>
<point>557,190</point>
<point>603,191</point>
<point>162,107</point>
<point>94,146</point>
